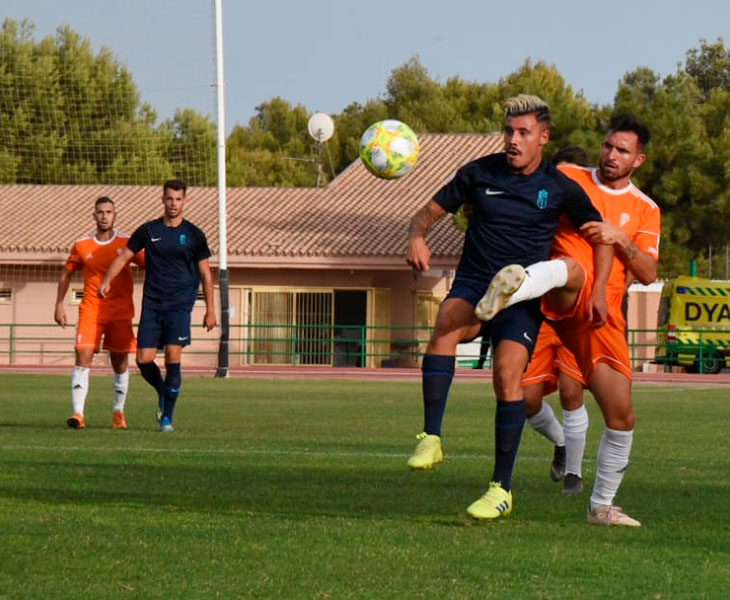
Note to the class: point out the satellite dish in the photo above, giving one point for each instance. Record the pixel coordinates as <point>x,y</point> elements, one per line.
<point>321,127</point>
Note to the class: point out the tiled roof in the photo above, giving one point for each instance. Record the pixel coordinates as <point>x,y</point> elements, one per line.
<point>356,218</point>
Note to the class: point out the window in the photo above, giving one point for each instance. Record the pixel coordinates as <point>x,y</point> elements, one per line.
<point>292,326</point>
<point>6,295</point>
<point>77,295</point>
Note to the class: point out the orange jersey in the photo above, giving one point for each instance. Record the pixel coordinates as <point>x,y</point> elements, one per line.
<point>94,258</point>
<point>629,209</point>
<point>638,216</point>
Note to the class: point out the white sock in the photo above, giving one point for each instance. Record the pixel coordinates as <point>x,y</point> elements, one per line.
<point>613,458</point>
<point>540,278</point>
<point>79,389</point>
<point>575,426</point>
<point>121,385</point>
<point>547,424</point>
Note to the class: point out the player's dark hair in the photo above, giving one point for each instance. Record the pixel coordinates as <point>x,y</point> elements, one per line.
<point>103,200</point>
<point>175,184</point>
<point>628,122</point>
<point>571,154</point>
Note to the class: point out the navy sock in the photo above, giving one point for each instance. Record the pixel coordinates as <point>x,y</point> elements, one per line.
<point>437,373</point>
<point>151,374</point>
<point>508,423</point>
<point>173,380</point>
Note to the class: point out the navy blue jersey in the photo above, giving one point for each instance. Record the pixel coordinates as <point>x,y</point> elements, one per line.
<point>172,254</point>
<point>514,216</point>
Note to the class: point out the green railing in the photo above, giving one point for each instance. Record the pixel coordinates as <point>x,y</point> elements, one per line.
<point>700,351</point>
<point>340,345</point>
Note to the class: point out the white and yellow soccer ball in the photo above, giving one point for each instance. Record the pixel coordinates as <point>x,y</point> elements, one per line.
<point>389,149</point>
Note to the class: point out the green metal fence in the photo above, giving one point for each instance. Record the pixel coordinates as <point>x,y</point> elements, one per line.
<point>339,345</point>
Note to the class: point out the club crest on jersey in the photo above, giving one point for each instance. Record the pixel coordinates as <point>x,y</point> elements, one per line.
<point>542,199</point>
<point>183,238</point>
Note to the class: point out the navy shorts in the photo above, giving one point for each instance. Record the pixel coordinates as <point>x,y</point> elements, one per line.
<point>160,328</point>
<point>519,322</point>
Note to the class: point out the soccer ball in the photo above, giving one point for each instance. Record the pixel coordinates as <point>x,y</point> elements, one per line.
<point>389,149</point>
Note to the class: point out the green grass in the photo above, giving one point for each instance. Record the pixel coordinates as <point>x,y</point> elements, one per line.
<point>298,489</point>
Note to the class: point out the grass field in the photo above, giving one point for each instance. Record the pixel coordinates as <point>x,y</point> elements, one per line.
<point>298,489</point>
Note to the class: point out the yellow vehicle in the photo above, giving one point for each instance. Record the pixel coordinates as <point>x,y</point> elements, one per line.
<point>694,324</point>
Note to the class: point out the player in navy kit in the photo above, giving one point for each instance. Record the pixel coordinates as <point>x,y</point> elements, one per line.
<point>516,199</point>
<point>177,263</point>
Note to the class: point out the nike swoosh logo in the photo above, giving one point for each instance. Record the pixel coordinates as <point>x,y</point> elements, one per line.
<point>155,239</point>
<point>181,339</point>
<point>491,192</point>
<point>527,337</point>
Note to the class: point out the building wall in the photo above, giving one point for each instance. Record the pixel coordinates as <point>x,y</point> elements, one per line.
<point>30,310</point>
<point>642,315</point>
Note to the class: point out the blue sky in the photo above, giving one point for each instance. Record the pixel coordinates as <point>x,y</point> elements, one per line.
<point>325,54</point>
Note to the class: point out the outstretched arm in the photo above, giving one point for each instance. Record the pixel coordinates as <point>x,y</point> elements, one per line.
<point>419,254</point>
<point>114,269</point>
<point>642,264</point>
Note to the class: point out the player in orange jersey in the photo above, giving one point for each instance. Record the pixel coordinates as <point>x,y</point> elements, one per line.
<point>553,366</point>
<point>110,317</point>
<point>631,225</point>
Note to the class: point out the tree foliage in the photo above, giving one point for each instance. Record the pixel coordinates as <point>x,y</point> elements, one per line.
<point>688,166</point>
<point>70,116</point>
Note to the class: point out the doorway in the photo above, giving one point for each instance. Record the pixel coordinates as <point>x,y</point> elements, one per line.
<point>350,333</point>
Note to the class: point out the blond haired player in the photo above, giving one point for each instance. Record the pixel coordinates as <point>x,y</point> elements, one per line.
<point>110,317</point>
<point>632,226</point>
<point>517,199</point>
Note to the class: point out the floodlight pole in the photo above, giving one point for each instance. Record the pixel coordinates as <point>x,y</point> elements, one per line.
<point>223,350</point>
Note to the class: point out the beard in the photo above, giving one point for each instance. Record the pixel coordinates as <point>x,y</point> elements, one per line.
<point>610,173</point>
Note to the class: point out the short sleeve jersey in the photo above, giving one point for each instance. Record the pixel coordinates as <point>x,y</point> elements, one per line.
<point>514,217</point>
<point>93,258</point>
<point>172,254</point>
<point>629,209</point>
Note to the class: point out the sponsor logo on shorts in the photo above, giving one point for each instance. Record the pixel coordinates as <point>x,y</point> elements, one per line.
<point>527,337</point>
<point>491,192</point>
<point>182,338</point>
<point>155,239</point>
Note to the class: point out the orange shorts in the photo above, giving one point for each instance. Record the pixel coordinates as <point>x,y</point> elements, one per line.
<point>548,359</point>
<point>589,344</point>
<point>118,335</point>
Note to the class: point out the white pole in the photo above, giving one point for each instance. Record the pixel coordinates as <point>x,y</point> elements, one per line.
<point>222,370</point>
